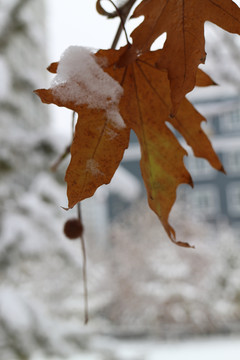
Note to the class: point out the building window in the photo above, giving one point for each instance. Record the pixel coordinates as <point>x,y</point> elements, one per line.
<point>204,199</point>
<point>209,126</point>
<point>233,198</point>
<point>231,162</point>
<point>199,168</point>
<point>230,121</point>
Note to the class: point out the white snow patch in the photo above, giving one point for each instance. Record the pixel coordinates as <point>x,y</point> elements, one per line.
<point>115,118</point>
<point>81,80</point>
<point>220,348</point>
<point>93,167</point>
<point>111,133</point>
<point>13,309</point>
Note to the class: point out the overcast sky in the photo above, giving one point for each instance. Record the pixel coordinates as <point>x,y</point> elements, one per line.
<point>76,22</point>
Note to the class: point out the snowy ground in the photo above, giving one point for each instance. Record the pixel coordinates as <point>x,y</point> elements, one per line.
<point>220,348</point>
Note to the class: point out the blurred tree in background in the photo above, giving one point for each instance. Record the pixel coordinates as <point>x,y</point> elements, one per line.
<point>30,220</point>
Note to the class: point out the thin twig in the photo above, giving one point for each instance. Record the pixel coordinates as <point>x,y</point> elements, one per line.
<point>83,247</point>
<point>122,12</point>
<point>124,15</point>
<point>124,8</point>
<point>123,18</point>
<point>61,158</point>
<point>67,149</point>
<point>84,268</point>
<point>117,36</point>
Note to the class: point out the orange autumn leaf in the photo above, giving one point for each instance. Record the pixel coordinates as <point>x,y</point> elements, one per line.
<point>145,106</point>
<point>96,151</point>
<point>183,51</point>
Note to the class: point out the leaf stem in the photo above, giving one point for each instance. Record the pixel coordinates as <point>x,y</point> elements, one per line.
<point>122,12</point>
<point>123,18</point>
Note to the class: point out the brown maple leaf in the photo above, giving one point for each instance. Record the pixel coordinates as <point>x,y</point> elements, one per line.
<point>96,151</point>
<point>183,51</point>
<point>145,106</point>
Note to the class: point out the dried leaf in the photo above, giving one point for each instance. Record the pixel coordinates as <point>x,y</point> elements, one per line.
<point>98,146</point>
<point>145,107</point>
<point>96,151</point>
<point>183,51</point>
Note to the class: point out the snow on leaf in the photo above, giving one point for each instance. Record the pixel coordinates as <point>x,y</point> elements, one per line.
<point>82,85</point>
<point>145,107</point>
<point>81,80</point>
<point>183,51</point>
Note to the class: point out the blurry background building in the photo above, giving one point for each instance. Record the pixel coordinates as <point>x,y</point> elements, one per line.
<point>216,196</point>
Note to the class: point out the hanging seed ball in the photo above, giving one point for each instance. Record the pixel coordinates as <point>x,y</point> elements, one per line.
<point>73,228</point>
